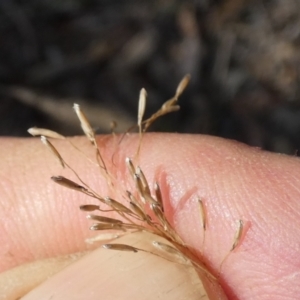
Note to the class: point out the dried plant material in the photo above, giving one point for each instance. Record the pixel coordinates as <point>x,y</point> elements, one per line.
<point>120,247</point>
<point>167,108</point>
<point>141,107</point>
<point>170,250</point>
<point>117,205</point>
<point>237,238</point>
<point>46,142</point>
<point>238,235</point>
<point>130,166</point>
<point>107,226</point>
<point>133,227</point>
<point>89,207</point>
<point>139,185</point>
<point>131,197</point>
<point>202,213</point>
<point>170,105</point>
<point>85,125</point>
<point>150,200</point>
<point>34,131</point>
<point>141,209</point>
<point>182,85</point>
<point>90,134</point>
<point>161,217</point>
<point>103,219</point>
<point>138,211</point>
<point>141,111</point>
<point>158,196</point>
<point>144,181</point>
<point>68,183</point>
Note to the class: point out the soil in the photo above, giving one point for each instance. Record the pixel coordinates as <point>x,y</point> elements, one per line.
<point>243,56</point>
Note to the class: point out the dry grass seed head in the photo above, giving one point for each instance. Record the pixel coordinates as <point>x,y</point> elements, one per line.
<point>158,196</point>
<point>238,235</point>
<point>120,247</point>
<point>160,226</point>
<point>136,208</point>
<point>107,226</point>
<point>182,85</point>
<point>139,186</point>
<point>49,145</point>
<point>170,250</point>
<point>90,134</point>
<point>144,181</point>
<point>89,207</point>
<point>130,166</point>
<point>202,213</point>
<point>160,216</point>
<point>237,239</point>
<point>141,111</point>
<point>141,107</point>
<point>68,183</point>
<point>117,205</point>
<point>103,219</point>
<point>34,131</point>
<point>170,105</point>
<point>85,125</point>
<point>150,200</point>
<point>138,211</point>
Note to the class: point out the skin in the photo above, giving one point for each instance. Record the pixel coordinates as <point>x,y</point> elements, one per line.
<point>41,219</point>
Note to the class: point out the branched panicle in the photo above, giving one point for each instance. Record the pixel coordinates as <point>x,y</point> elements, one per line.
<point>144,208</point>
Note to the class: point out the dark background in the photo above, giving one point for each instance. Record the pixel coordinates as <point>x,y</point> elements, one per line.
<point>243,56</point>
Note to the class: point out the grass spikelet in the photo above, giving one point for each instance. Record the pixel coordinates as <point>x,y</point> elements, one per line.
<point>139,186</point>
<point>107,226</point>
<point>90,134</point>
<point>69,183</point>
<point>138,211</point>
<point>117,206</point>
<point>141,209</point>
<point>141,111</point>
<point>236,241</point>
<point>85,125</point>
<point>103,219</point>
<point>89,207</point>
<point>238,235</point>
<point>46,142</point>
<point>170,250</point>
<point>182,85</point>
<point>141,108</point>
<point>158,196</point>
<point>75,186</point>
<point>202,213</point>
<point>144,182</point>
<point>34,131</point>
<point>130,166</point>
<point>120,247</point>
<point>162,218</point>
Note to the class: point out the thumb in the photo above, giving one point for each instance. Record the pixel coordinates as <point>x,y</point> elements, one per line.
<point>119,275</point>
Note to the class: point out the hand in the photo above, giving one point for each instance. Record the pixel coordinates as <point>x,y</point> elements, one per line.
<point>40,219</point>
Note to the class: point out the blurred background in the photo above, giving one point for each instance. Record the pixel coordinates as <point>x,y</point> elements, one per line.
<point>243,55</point>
